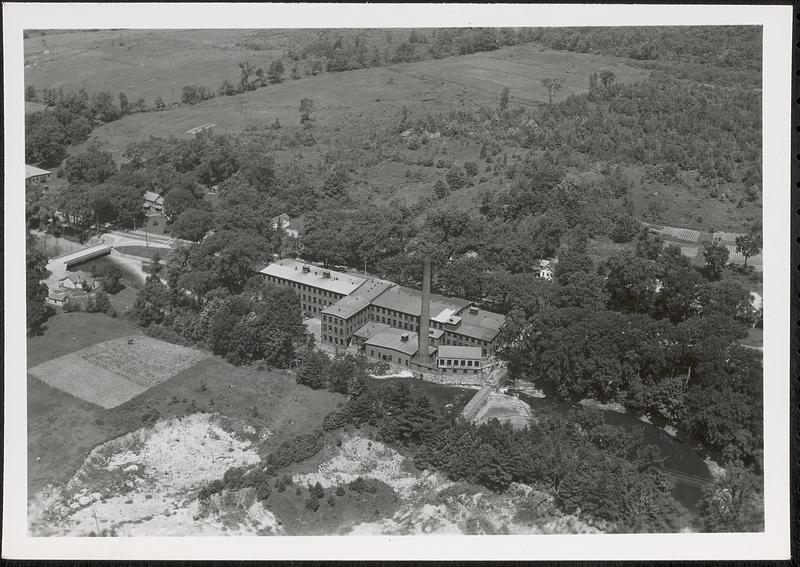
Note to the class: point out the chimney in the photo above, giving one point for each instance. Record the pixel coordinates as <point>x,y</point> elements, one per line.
<point>425,314</point>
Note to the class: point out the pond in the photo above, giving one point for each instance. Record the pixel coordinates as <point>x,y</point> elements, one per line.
<point>56,246</point>
<point>131,274</point>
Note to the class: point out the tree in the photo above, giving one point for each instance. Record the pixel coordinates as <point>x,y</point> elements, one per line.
<point>99,303</point>
<point>552,86</point>
<point>151,303</point>
<point>30,93</point>
<point>192,224</point>
<point>178,200</point>
<point>36,311</point>
<point>123,103</point>
<point>158,103</point>
<point>140,105</point>
<point>306,110</point>
<point>46,139</point>
<point>275,72</point>
<point>440,189</point>
<point>625,229</point>
<point>110,278</point>
<point>631,282</point>
<point>504,97</point>
<point>103,107</point>
<point>226,89</point>
<point>607,78</point>
<point>748,245</point>
<point>295,73</point>
<point>716,256</point>
<point>471,168</point>
<point>313,371</point>
<point>456,177</point>
<point>245,70</point>
<point>734,503</point>
<point>92,166</point>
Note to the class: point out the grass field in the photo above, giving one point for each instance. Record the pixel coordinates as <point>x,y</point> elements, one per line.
<point>62,429</point>
<point>370,95</point>
<point>132,61</point>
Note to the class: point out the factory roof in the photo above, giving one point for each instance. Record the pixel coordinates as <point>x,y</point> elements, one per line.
<point>351,304</point>
<point>409,301</point>
<point>484,325</point>
<point>370,329</point>
<point>459,352</point>
<point>391,338</point>
<point>293,270</point>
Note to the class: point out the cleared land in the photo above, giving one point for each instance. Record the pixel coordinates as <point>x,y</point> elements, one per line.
<point>377,94</point>
<point>112,372</point>
<point>62,429</point>
<point>132,61</point>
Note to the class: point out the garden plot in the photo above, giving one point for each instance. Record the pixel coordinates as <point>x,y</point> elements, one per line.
<point>110,373</point>
<point>146,361</point>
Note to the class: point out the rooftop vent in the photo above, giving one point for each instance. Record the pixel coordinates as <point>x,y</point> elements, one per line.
<point>473,310</point>
<point>326,275</point>
<point>306,269</point>
<point>404,337</point>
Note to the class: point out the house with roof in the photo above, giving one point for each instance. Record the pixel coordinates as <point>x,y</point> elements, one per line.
<point>153,203</point>
<point>33,173</point>
<point>284,222</point>
<point>74,281</point>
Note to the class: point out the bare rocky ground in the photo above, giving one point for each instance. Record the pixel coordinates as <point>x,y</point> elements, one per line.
<point>145,483</point>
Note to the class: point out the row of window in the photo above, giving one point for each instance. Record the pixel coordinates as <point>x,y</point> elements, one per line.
<point>452,362</point>
<point>334,340</point>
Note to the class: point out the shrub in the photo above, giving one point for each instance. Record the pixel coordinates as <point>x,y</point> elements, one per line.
<point>471,168</point>
<point>625,229</point>
<point>316,491</point>
<point>282,482</point>
<point>340,490</point>
<point>312,504</point>
<point>456,177</point>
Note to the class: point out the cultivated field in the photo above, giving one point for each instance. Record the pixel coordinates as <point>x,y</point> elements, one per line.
<point>62,428</point>
<point>112,372</point>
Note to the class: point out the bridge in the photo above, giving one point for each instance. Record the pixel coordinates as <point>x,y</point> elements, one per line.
<point>685,478</point>
<point>69,259</point>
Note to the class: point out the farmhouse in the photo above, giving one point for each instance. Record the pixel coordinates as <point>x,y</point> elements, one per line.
<point>153,203</point>
<point>74,281</point>
<point>282,221</point>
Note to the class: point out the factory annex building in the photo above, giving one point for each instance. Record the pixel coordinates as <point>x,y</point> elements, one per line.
<point>383,319</point>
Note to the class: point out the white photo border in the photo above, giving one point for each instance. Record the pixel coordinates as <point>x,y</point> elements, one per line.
<point>777,74</point>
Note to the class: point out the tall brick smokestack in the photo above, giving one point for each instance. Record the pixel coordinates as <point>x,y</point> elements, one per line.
<point>425,314</point>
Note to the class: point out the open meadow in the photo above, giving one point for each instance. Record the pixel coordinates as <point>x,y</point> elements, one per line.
<point>62,429</point>
<point>132,61</point>
<point>375,96</point>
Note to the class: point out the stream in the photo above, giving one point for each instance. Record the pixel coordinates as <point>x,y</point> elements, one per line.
<point>680,459</point>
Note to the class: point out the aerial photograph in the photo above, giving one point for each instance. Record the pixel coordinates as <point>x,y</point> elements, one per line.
<point>406,281</point>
